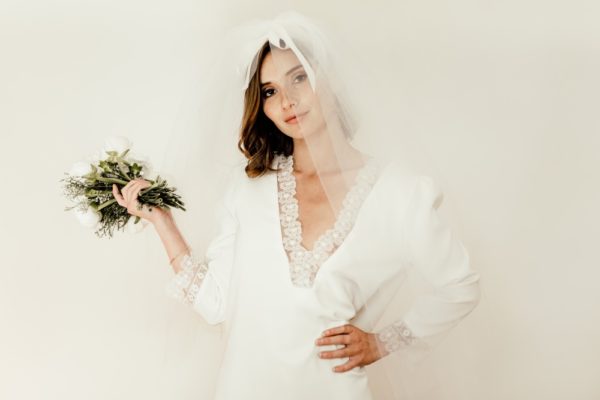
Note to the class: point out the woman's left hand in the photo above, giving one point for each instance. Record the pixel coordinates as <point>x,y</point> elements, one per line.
<point>361,347</point>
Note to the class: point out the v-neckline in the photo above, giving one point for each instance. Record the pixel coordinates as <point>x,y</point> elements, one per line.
<point>304,264</point>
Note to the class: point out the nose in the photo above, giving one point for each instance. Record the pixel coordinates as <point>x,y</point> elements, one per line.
<point>288,99</point>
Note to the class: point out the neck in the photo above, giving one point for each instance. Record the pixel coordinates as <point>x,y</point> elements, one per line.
<point>321,153</point>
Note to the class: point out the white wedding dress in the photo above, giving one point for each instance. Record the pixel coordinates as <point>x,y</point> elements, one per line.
<point>389,222</point>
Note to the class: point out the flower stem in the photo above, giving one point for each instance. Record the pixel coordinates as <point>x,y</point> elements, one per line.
<point>106,203</point>
<point>112,180</point>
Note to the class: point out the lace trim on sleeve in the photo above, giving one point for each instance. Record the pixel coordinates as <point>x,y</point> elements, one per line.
<point>185,285</point>
<point>395,336</point>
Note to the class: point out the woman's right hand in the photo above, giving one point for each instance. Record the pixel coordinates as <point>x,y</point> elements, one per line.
<point>128,199</point>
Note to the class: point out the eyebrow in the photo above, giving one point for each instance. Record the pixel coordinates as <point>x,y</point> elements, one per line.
<point>286,74</point>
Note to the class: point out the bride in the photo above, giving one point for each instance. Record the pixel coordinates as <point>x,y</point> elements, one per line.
<point>314,236</point>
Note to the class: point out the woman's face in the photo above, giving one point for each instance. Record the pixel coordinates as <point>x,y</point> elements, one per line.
<point>287,97</point>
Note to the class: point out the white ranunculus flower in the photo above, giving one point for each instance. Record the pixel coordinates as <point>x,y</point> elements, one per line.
<point>144,161</point>
<point>117,143</point>
<point>89,218</point>
<point>78,200</point>
<point>98,156</point>
<point>133,156</point>
<point>148,171</point>
<point>80,168</point>
<point>137,158</point>
<point>131,227</point>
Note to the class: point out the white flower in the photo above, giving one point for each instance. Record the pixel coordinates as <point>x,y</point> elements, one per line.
<point>132,156</point>
<point>89,218</point>
<point>80,168</point>
<point>117,143</point>
<point>143,161</point>
<point>77,201</point>
<point>131,227</point>
<point>148,171</point>
<point>97,157</point>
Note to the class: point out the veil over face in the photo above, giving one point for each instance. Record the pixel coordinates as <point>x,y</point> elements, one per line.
<point>312,89</point>
<point>311,94</point>
<point>286,93</point>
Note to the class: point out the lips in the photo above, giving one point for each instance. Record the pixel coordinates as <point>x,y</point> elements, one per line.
<point>295,117</point>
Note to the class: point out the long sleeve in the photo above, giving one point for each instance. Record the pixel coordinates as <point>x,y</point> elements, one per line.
<point>440,258</point>
<point>203,281</point>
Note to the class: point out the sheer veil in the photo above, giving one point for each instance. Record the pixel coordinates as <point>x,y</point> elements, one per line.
<point>354,100</point>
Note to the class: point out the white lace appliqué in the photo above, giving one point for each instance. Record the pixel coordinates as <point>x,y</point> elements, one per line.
<point>185,285</point>
<point>304,264</point>
<point>395,336</point>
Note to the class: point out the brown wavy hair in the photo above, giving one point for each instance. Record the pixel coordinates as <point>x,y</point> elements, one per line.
<point>260,139</point>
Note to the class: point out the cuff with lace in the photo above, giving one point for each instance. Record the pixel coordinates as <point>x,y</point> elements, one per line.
<point>395,336</point>
<point>185,285</point>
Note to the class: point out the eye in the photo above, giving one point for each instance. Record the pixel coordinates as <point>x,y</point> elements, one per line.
<point>302,77</point>
<point>267,93</point>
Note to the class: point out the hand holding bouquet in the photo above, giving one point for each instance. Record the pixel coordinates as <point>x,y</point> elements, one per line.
<point>94,190</point>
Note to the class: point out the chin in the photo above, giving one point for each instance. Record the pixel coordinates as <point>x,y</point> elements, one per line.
<point>301,133</point>
<point>294,134</point>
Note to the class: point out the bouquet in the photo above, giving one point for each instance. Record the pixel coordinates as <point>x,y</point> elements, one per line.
<point>88,186</point>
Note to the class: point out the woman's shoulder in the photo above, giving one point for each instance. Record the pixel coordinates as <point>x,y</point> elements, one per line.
<point>239,170</point>
<point>395,174</point>
<point>417,186</point>
<point>404,181</point>
<point>243,184</point>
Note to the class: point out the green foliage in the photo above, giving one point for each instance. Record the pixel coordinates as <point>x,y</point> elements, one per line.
<point>94,190</point>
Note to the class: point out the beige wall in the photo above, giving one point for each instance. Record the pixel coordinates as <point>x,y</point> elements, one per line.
<point>502,95</point>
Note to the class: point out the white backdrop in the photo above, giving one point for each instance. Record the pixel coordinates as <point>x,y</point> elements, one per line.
<point>502,95</point>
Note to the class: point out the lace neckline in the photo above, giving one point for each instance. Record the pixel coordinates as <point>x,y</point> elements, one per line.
<point>303,263</point>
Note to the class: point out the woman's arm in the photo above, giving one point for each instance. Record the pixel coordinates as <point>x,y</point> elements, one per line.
<point>201,283</point>
<point>202,278</point>
<point>161,218</point>
<point>172,239</point>
<point>439,257</point>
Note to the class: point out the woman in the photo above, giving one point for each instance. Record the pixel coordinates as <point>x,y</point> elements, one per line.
<point>311,232</point>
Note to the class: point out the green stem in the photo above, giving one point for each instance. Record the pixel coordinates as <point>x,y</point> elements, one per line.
<point>149,188</point>
<point>112,180</point>
<point>106,203</point>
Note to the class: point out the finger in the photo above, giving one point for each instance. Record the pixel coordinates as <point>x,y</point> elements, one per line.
<point>127,190</point>
<point>346,366</point>
<point>132,194</point>
<point>341,353</point>
<point>118,197</point>
<point>337,330</point>
<point>139,185</point>
<point>129,185</point>
<point>337,339</point>
<point>144,184</point>
<point>124,191</point>
<point>135,192</point>
<point>135,189</point>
